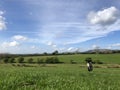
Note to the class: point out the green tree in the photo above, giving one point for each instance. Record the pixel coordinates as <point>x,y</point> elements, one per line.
<point>5,60</point>
<point>30,60</point>
<point>52,60</point>
<point>40,61</point>
<point>20,60</point>
<point>12,60</point>
<point>55,52</point>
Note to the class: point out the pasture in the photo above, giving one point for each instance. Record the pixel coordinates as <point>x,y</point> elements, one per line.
<point>63,76</point>
<point>80,58</point>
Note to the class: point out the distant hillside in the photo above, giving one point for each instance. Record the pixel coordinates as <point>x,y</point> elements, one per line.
<point>102,51</point>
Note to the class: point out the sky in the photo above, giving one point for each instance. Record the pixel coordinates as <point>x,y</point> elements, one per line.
<point>38,26</point>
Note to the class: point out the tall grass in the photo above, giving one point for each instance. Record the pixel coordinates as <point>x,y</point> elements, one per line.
<point>58,77</point>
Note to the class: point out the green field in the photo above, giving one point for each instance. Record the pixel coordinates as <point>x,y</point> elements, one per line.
<point>80,58</point>
<point>63,76</point>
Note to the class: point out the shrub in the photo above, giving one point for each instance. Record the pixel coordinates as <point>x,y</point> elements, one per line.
<point>55,60</point>
<point>52,60</point>
<point>20,60</point>
<point>72,62</point>
<point>18,65</point>
<point>40,61</point>
<point>98,62</point>
<point>13,64</point>
<point>88,59</point>
<point>11,60</point>
<point>30,60</point>
<point>48,60</point>
<point>5,60</point>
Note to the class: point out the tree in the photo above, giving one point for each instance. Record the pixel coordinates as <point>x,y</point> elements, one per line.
<point>45,53</point>
<point>40,61</point>
<point>55,52</point>
<point>5,60</point>
<point>20,59</point>
<point>30,60</point>
<point>52,60</point>
<point>11,60</point>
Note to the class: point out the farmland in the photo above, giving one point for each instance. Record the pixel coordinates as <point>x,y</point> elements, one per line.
<point>65,76</point>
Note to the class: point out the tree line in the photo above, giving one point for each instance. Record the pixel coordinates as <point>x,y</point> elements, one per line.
<point>21,59</point>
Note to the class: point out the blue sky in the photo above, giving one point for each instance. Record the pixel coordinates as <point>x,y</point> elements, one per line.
<point>37,26</point>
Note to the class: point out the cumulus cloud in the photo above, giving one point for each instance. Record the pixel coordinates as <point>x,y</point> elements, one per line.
<point>104,17</point>
<point>10,44</point>
<point>2,21</point>
<point>95,47</point>
<point>19,37</point>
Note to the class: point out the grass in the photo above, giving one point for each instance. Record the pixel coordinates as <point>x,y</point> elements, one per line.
<point>58,77</point>
<point>80,58</point>
<point>63,76</point>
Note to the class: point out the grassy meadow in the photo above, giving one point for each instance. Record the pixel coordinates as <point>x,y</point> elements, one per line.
<point>64,76</point>
<point>80,58</point>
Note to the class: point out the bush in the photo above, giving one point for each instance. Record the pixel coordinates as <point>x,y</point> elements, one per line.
<point>20,60</point>
<point>30,60</point>
<point>88,59</point>
<point>52,60</point>
<point>5,60</point>
<point>98,62</point>
<point>72,62</point>
<point>40,61</point>
<point>11,60</point>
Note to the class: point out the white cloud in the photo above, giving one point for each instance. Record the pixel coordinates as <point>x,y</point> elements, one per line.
<point>109,47</point>
<point>19,37</point>
<point>104,17</point>
<point>116,45</point>
<point>52,44</point>
<point>69,27</point>
<point>71,33</point>
<point>72,49</point>
<point>10,44</point>
<point>2,21</point>
<point>33,47</point>
<point>1,12</point>
<point>95,47</point>
<point>13,43</point>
